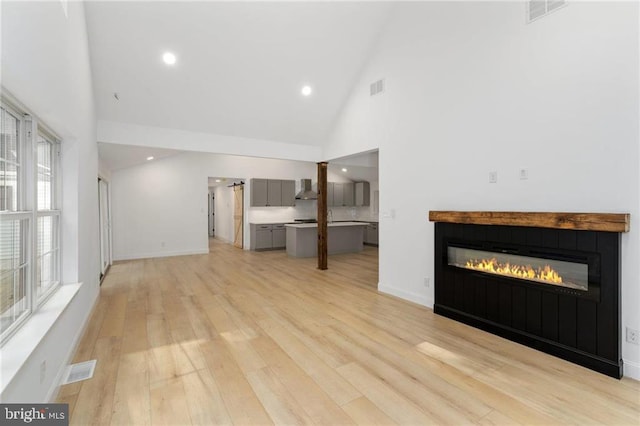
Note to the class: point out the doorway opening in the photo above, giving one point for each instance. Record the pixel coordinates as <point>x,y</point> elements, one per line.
<point>226,214</point>
<point>212,213</point>
<point>104,212</point>
<point>355,196</point>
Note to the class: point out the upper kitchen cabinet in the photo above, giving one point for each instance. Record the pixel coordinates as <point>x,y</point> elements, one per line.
<point>343,195</point>
<point>338,194</point>
<point>330,188</point>
<point>348,194</point>
<point>272,193</point>
<point>258,192</point>
<point>363,195</point>
<point>288,193</point>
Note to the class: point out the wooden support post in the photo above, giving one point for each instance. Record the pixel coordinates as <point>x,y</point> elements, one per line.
<point>322,215</point>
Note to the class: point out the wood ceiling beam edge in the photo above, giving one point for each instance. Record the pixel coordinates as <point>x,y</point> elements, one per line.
<point>606,222</point>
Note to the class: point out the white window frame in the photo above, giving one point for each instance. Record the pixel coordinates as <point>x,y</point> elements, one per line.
<point>27,209</point>
<point>54,213</point>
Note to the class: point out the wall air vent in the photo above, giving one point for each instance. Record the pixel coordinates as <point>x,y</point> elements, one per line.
<point>376,87</point>
<point>538,8</point>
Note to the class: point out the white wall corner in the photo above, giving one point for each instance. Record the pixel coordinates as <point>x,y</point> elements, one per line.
<point>631,369</point>
<point>421,299</point>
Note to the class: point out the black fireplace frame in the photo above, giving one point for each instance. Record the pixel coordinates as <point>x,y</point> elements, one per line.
<point>583,330</point>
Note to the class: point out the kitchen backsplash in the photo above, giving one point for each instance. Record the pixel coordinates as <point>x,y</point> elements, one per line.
<point>306,209</point>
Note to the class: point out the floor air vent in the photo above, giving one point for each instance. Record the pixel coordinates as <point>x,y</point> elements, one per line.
<point>538,8</point>
<point>80,371</point>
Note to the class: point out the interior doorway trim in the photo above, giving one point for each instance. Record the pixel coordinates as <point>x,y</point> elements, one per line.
<point>104,220</point>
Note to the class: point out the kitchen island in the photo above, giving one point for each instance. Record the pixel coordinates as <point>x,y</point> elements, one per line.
<point>342,237</point>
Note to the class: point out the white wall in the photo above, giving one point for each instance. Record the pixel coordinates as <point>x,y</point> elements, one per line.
<point>472,88</point>
<point>45,65</point>
<point>165,201</point>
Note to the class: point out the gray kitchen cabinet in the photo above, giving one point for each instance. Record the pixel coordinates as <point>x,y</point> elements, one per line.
<point>330,186</point>
<point>371,234</point>
<point>343,194</point>
<point>258,192</point>
<point>288,193</point>
<point>279,236</point>
<point>348,194</point>
<point>267,236</point>
<point>272,193</point>
<point>263,239</point>
<point>363,194</point>
<point>338,194</point>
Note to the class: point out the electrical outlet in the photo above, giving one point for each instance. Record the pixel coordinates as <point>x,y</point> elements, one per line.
<point>427,283</point>
<point>632,336</point>
<point>493,177</point>
<point>43,371</point>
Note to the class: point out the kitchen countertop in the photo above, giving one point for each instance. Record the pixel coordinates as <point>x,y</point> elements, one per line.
<point>332,224</point>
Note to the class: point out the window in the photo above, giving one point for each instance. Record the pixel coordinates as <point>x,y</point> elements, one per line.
<point>48,248</point>
<point>29,217</point>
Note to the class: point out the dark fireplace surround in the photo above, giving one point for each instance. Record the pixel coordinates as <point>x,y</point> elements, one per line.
<point>575,315</point>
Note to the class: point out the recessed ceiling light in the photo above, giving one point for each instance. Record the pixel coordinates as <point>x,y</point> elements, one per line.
<point>149,158</point>
<point>218,180</point>
<point>344,170</point>
<point>169,58</point>
<point>306,90</point>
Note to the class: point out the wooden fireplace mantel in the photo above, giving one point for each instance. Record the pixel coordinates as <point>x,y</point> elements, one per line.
<point>607,222</point>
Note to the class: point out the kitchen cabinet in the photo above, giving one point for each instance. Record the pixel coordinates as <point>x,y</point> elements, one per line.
<point>330,188</point>
<point>338,194</point>
<point>371,234</point>
<point>258,192</point>
<point>348,194</point>
<point>288,193</point>
<point>363,195</point>
<point>279,237</point>
<point>267,236</point>
<point>343,195</point>
<point>263,239</point>
<point>342,237</point>
<point>272,193</point>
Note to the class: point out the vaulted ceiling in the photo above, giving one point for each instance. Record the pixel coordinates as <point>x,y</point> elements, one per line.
<point>240,65</point>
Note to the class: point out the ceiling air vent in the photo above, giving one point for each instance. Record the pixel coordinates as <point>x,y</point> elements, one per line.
<point>376,87</point>
<point>538,8</point>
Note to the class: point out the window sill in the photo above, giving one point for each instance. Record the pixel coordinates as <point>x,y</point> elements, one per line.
<point>17,350</point>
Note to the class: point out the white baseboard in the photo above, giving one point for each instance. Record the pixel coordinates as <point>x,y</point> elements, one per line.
<point>631,369</point>
<point>52,394</point>
<point>149,255</point>
<point>420,299</point>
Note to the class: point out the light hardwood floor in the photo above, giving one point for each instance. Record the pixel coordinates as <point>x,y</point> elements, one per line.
<point>249,338</point>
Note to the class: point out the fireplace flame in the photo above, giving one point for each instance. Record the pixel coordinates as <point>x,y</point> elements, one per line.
<point>546,273</point>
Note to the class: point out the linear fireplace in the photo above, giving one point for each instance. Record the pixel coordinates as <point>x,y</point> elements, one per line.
<point>568,272</point>
<point>552,284</point>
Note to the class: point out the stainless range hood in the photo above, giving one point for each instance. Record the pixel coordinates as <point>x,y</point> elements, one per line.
<point>306,193</point>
